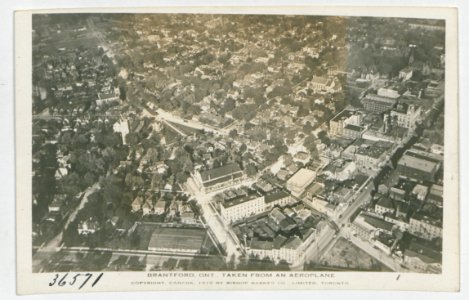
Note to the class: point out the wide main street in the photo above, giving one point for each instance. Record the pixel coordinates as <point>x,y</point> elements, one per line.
<point>328,236</point>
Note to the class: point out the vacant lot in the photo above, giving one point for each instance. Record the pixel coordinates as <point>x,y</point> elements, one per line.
<point>344,254</point>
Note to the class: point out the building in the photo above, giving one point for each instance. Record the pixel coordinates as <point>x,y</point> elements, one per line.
<point>371,157</point>
<point>122,126</point>
<point>435,195</point>
<point>219,178</point>
<point>353,131</point>
<point>367,226</point>
<point>147,207</point>
<point>160,207</point>
<point>277,198</point>
<point>298,182</point>
<point>406,74</point>
<point>57,204</point>
<point>340,170</point>
<point>342,119</point>
<point>320,84</point>
<point>418,165</point>
<point>137,204</point>
<point>178,239</point>
<point>323,206</point>
<point>378,104</point>
<point>289,250</point>
<point>422,257</point>
<point>240,208</point>
<point>87,227</point>
<point>362,229</point>
<point>388,92</point>
<point>384,205</point>
<point>108,97</point>
<point>426,227</point>
<point>406,115</point>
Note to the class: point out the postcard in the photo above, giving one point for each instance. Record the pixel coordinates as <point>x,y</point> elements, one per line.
<point>296,148</point>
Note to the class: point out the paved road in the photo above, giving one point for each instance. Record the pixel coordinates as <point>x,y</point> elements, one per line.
<point>327,236</point>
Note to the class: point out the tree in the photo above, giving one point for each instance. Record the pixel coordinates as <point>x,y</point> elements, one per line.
<point>243,148</point>
<point>251,170</point>
<point>233,133</point>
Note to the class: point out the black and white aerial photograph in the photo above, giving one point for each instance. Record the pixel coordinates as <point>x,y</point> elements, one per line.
<point>237,142</point>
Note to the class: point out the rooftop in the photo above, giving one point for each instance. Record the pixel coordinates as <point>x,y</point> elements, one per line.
<point>343,115</point>
<point>353,127</point>
<point>237,201</point>
<point>378,98</point>
<point>275,196</point>
<point>425,252</point>
<point>378,223</point>
<point>417,163</point>
<point>302,177</point>
<point>220,172</point>
<point>374,150</point>
<point>385,202</point>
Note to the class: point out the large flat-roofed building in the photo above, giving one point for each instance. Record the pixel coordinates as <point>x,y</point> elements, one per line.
<point>378,104</point>
<point>418,165</point>
<point>178,240</point>
<point>298,182</point>
<point>218,178</point>
<point>237,209</point>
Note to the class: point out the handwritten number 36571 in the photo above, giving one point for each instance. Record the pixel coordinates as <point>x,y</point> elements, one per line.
<point>76,279</point>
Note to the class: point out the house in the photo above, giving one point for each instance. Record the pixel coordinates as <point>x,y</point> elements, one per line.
<point>60,173</point>
<point>160,207</point>
<point>188,217</point>
<point>137,204</point>
<point>88,226</point>
<point>147,207</point>
<point>57,204</point>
